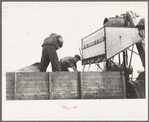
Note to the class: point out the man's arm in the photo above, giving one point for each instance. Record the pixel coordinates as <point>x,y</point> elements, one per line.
<point>75,69</point>
<point>73,66</point>
<point>61,41</point>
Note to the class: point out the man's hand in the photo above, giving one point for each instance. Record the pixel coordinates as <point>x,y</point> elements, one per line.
<point>75,69</point>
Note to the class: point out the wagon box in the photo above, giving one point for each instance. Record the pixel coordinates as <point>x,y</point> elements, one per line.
<point>64,85</point>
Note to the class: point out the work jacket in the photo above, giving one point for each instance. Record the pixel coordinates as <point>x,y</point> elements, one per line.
<point>53,40</point>
<point>68,62</point>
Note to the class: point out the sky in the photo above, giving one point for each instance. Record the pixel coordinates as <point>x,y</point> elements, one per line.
<point>25,25</point>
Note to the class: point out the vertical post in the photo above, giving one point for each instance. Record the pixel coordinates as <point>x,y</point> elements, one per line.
<point>107,65</point>
<point>83,67</point>
<point>90,64</point>
<point>131,57</point>
<point>119,56</point>
<point>130,61</point>
<point>125,73</point>
<point>15,83</point>
<point>141,50</point>
<point>104,36</point>
<point>126,57</point>
<point>80,84</point>
<point>50,86</point>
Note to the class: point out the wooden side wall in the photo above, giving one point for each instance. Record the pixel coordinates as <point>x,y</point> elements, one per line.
<point>64,85</point>
<point>102,85</point>
<point>32,86</point>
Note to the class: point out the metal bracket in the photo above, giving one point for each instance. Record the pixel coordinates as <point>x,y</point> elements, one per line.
<point>90,63</point>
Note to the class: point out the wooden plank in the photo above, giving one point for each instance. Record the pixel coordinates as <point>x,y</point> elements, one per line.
<point>67,90</point>
<point>10,85</point>
<point>122,38</point>
<point>32,85</point>
<point>65,84</point>
<point>29,74</point>
<point>64,76</point>
<point>33,79</point>
<point>31,90</point>
<point>32,96</point>
<point>66,96</point>
<point>100,75</point>
<point>64,90</point>
<point>96,88</point>
<point>33,76</point>
<point>102,91</point>
<point>32,82</point>
<point>101,96</point>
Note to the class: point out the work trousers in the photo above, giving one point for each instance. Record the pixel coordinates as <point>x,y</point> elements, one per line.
<point>63,67</point>
<point>49,55</point>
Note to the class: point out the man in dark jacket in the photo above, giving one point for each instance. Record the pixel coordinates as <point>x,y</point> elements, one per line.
<point>50,45</point>
<point>69,62</point>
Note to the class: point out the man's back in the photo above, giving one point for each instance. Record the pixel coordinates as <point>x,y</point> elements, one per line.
<point>68,61</point>
<point>53,40</point>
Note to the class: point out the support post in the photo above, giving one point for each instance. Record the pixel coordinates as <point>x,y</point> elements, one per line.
<point>80,85</point>
<point>15,83</point>
<point>126,57</point>
<point>141,49</point>
<point>131,57</point>
<point>99,67</point>
<point>125,73</point>
<point>50,87</point>
<point>90,64</point>
<point>83,67</point>
<point>119,57</point>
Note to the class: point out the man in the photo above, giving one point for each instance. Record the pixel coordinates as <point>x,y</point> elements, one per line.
<point>50,45</point>
<point>69,62</point>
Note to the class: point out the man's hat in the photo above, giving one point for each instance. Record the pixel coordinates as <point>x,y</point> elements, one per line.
<point>78,57</point>
<point>52,34</point>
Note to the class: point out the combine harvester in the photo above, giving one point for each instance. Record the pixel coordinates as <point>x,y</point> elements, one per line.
<point>115,39</point>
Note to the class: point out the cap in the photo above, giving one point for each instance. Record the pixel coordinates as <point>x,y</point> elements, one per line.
<point>52,34</point>
<point>78,57</point>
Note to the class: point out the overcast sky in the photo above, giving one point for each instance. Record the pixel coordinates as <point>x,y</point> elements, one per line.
<point>25,25</point>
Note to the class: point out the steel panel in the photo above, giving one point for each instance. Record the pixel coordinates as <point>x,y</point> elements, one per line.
<point>93,45</point>
<point>96,50</point>
<point>118,39</point>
